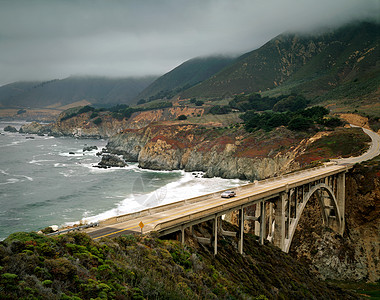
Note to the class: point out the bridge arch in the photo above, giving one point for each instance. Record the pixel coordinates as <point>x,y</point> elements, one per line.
<point>317,189</point>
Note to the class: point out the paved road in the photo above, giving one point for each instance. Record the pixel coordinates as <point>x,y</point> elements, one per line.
<point>373,151</point>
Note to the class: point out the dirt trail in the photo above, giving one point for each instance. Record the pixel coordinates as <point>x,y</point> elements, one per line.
<point>356,120</point>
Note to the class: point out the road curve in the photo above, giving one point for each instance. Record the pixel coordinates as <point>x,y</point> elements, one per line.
<point>374,149</point>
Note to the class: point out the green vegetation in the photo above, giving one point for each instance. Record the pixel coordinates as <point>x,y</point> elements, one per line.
<point>98,121</point>
<point>182,117</point>
<point>292,102</point>
<point>285,110</point>
<point>119,111</point>
<point>338,143</point>
<point>73,266</point>
<point>184,77</point>
<point>297,121</point>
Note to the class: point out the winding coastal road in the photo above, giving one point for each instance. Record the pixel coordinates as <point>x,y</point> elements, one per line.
<point>157,218</point>
<point>374,149</point>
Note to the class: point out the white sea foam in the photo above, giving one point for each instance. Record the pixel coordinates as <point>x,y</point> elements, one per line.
<point>10,181</point>
<point>39,161</point>
<point>187,187</point>
<point>4,172</point>
<point>60,165</point>
<point>27,177</point>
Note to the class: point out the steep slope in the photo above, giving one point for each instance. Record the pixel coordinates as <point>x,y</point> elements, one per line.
<point>184,76</point>
<point>96,90</point>
<point>292,61</point>
<point>73,266</point>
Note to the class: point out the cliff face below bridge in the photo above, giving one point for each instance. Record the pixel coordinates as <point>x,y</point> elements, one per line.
<point>355,256</point>
<point>227,153</point>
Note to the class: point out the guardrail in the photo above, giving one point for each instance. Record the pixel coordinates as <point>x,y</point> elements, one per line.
<point>95,224</point>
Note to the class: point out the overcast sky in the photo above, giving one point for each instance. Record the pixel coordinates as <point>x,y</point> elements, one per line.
<point>49,39</point>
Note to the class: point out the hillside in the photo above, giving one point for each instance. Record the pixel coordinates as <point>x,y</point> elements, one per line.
<point>145,267</point>
<point>184,76</point>
<point>340,63</point>
<point>56,93</point>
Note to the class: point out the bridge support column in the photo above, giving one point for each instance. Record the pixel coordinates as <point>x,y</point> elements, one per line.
<point>340,198</point>
<point>182,235</point>
<point>270,227</point>
<point>258,216</point>
<point>215,235</point>
<point>262,222</point>
<point>241,230</point>
<point>279,217</point>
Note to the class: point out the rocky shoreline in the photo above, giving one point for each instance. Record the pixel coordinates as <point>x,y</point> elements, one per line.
<point>226,154</point>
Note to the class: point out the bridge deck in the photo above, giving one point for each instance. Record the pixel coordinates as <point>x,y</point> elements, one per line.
<point>173,216</point>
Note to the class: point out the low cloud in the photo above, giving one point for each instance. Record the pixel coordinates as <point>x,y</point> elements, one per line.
<point>46,39</point>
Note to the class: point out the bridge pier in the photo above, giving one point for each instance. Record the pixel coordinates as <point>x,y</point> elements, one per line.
<point>341,199</point>
<point>276,212</point>
<point>215,235</point>
<point>280,219</point>
<point>241,230</point>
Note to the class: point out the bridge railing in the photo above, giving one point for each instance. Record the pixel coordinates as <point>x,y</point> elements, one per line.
<point>95,224</point>
<point>157,209</point>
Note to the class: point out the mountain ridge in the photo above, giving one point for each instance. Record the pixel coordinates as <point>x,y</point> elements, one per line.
<point>95,89</point>
<point>290,58</point>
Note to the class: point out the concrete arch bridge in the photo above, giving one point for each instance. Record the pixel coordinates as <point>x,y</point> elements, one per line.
<point>278,205</point>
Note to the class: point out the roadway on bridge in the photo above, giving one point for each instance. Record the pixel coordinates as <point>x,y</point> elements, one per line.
<point>213,203</point>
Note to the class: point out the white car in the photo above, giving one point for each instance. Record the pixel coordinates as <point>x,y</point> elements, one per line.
<point>228,194</point>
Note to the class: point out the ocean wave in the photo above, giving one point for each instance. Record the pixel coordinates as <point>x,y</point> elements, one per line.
<point>60,165</point>
<point>39,161</point>
<point>4,172</point>
<point>137,169</point>
<point>10,181</point>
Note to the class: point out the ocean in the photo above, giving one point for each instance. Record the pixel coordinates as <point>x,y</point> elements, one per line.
<point>42,184</point>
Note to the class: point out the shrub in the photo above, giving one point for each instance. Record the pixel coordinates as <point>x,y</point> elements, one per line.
<point>300,124</point>
<point>47,282</point>
<point>182,117</point>
<point>98,121</point>
<point>199,103</point>
<point>94,115</point>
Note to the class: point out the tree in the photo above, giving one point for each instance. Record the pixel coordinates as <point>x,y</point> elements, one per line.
<point>98,121</point>
<point>182,117</point>
<point>300,123</point>
<point>291,103</point>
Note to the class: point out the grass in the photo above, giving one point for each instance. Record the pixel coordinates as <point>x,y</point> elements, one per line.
<point>368,290</point>
<point>219,120</point>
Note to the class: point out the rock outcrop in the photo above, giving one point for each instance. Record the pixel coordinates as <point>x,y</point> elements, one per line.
<point>33,128</point>
<point>227,153</point>
<point>10,129</point>
<point>111,161</point>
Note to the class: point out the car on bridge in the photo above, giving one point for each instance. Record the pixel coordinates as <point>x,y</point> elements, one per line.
<point>228,194</point>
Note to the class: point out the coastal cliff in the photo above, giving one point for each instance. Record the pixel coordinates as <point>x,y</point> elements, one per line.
<point>223,152</point>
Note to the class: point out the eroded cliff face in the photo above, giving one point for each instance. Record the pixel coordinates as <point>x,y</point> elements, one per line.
<point>355,255</point>
<point>227,153</point>
<point>82,126</point>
